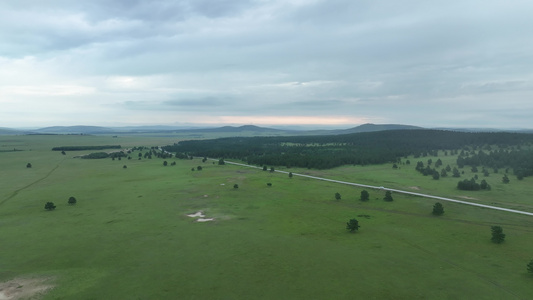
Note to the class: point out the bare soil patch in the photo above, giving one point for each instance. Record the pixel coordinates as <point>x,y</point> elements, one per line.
<point>414,188</point>
<point>25,288</point>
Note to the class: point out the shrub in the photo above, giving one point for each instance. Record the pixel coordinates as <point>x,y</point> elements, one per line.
<point>49,206</point>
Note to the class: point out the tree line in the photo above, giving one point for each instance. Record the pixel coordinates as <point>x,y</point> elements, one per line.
<point>329,151</point>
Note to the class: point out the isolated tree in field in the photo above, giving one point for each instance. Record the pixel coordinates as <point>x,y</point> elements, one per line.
<point>388,196</point>
<point>63,152</point>
<point>530,267</point>
<point>352,225</point>
<point>199,168</point>
<point>505,179</point>
<point>365,196</point>
<point>337,196</point>
<point>269,184</point>
<point>497,234</point>
<point>271,169</point>
<point>221,161</point>
<point>124,167</point>
<point>264,168</point>
<point>235,186</point>
<point>28,165</point>
<point>290,174</point>
<point>49,206</point>
<point>165,163</point>
<point>72,200</point>
<point>438,209</point>
<point>395,166</point>
<point>456,173</point>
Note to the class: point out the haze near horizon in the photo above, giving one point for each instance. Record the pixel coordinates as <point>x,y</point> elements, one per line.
<point>267,63</point>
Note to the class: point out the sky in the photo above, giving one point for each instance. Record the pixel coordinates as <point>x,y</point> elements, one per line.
<point>329,63</point>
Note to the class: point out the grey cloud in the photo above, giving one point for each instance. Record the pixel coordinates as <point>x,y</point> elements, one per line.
<point>199,102</point>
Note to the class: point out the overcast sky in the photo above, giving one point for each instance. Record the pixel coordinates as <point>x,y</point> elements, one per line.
<point>329,62</point>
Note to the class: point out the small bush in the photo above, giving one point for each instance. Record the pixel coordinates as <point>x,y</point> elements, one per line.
<point>49,206</point>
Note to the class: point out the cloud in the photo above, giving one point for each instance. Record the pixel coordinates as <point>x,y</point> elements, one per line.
<point>401,62</point>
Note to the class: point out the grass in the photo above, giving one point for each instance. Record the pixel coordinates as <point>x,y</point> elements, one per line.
<point>128,237</point>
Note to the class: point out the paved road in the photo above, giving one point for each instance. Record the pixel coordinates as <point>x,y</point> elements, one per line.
<point>393,190</point>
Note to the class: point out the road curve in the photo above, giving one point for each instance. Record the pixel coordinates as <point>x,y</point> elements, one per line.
<point>392,190</point>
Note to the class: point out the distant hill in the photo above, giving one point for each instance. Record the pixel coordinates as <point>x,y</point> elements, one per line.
<point>250,128</point>
<point>9,131</point>
<point>80,129</point>
<point>228,131</point>
<point>376,127</point>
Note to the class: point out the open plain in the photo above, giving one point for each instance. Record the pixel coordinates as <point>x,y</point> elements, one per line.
<point>130,234</point>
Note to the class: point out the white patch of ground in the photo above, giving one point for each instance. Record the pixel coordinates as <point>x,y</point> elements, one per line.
<point>24,288</point>
<point>415,188</point>
<point>201,218</point>
<point>196,215</point>
<point>205,220</point>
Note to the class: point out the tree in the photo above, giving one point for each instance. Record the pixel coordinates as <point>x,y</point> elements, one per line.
<point>199,168</point>
<point>28,165</point>
<point>436,175</point>
<point>235,186</point>
<point>530,267</point>
<point>264,168</point>
<point>290,174</point>
<point>438,209</point>
<point>221,161</point>
<point>337,196</point>
<point>165,163</point>
<point>63,152</point>
<point>388,196</point>
<point>484,185</point>
<point>124,167</point>
<point>395,166</point>
<point>72,200</point>
<point>352,225</point>
<point>269,184</point>
<point>271,169</point>
<point>505,179</point>
<point>365,196</point>
<point>443,173</point>
<point>438,163</point>
<point>497,234</point>
<point>49,206</point>
<point>456,172</point>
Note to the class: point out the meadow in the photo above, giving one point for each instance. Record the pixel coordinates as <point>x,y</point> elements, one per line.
<point>129,236</point>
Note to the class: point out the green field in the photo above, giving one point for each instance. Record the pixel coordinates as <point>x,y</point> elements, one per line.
<point>129,236</point>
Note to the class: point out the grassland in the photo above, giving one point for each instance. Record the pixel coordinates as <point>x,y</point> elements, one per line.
<point>128,237</point>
